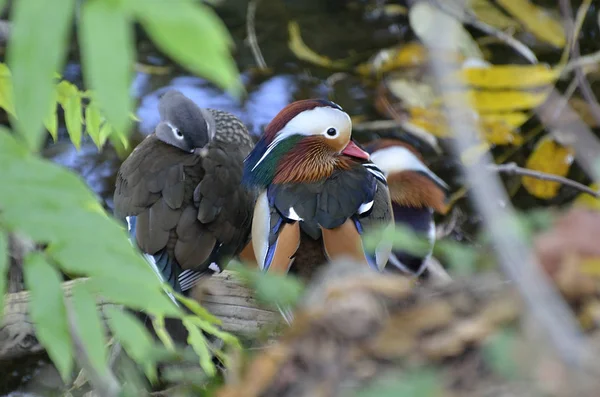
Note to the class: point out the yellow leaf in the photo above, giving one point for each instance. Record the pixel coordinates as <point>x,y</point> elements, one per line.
<point>498,101</point>
<point>301,50</point>
<point>408,55</point>
<point>430,119</point>
<point>508,76</point>
<point>587,201</point>
<point>498,132</point>
<point>513,119</point>
<point>551,158</point>
<point>536,20</point>
<point>496,129</point>
<point>412,93</point>
<point>6,90</point>
<point>491,15</point>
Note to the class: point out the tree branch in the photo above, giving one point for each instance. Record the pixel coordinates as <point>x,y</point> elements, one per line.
<point>514,257</point>
<point>514,169</point>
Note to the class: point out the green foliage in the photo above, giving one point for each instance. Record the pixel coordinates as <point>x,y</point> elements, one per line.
<point>416,383</point>
<point>69,98</point>
<point>48,311</point>
<point>271,288</point>
<point>192,35</point>
<point>35,53</point>
<point>499,353</point>
<point>460,258</point>
<point>134,294</point>
<point>4,265</point>
<point>198,343</point>
<point>189,32</point>
<point>90,329</point>
<point>54,207</point>
<point>107,53</point>
<point>135,339</point>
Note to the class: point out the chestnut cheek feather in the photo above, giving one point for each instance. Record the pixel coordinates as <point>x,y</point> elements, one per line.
<point>352,150</point>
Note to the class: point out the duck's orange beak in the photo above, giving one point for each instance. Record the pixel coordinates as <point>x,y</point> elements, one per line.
<point>354,151</point>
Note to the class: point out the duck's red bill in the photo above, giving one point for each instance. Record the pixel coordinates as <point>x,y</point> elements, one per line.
<point>354,151</point>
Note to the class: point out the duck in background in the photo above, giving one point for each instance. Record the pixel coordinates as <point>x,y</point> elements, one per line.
<point>319,191</point>
<point>181,194</point>
<point>416,193</point>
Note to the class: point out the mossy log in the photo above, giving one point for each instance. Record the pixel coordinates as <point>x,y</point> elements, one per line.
<point>222,295</point>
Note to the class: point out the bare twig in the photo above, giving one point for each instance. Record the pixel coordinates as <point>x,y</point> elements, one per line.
<point>584,85</point>
<point>465,17</point>
<point>591,59</point>
<point>513,168</point>
<point>251,32</point>
<point>514,257</point>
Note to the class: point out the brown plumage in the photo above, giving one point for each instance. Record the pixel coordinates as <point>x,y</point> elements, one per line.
<point>412,189</point>
<point>181,191</point>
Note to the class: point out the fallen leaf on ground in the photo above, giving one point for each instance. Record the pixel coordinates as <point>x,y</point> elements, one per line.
<point>303,52</point>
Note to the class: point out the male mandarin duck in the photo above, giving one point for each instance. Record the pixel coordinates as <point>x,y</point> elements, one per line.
<point>318,190</point>
<point>180,191</point>
<point>416,192</point>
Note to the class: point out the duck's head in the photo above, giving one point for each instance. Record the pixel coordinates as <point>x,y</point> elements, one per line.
<point>182,123</point>
<point>303,143</point>
<point>410,182</point>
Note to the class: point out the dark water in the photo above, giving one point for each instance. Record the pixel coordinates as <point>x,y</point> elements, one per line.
<point>339,29</point>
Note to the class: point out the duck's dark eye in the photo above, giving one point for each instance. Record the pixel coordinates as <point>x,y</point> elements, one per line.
<point>178,133</point>
<point>331,132</point>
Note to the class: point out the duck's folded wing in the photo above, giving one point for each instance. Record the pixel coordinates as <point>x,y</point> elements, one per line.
<point>379,217</point>
<point>151,193</point>
<point>224,205</point>
<point>275,239</point>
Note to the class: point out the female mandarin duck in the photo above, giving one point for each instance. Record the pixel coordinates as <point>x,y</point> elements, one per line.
<point>416,193</point>
<point>180,191</point>
<point>316,186</point>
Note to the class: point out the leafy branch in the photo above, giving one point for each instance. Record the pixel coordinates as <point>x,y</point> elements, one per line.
<point>55,208</point>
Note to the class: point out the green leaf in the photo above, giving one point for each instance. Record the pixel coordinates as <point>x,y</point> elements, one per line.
<point>48,312</point>
<point>211,329</point>
<point>4,265</point>
<point>36,51</point>
<point>198,342</point>
<point>135,338</point>
<point>194,36</point>
<point>499,351</point>
<point>70,100</point>
<point>135,295</point>
<point>271,288</point>
<point>106,132</point>
<point>7,99</point>
<point>93,119</point>
<point>52,204</point>
<point>51,120</point>
<point>89,326</point>
<point>415,383</point>
<point>198,310</point>
<point>106,37</point>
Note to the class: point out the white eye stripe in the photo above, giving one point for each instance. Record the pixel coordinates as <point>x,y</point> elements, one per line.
<point>176,132</point>
<point>398,159</point>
